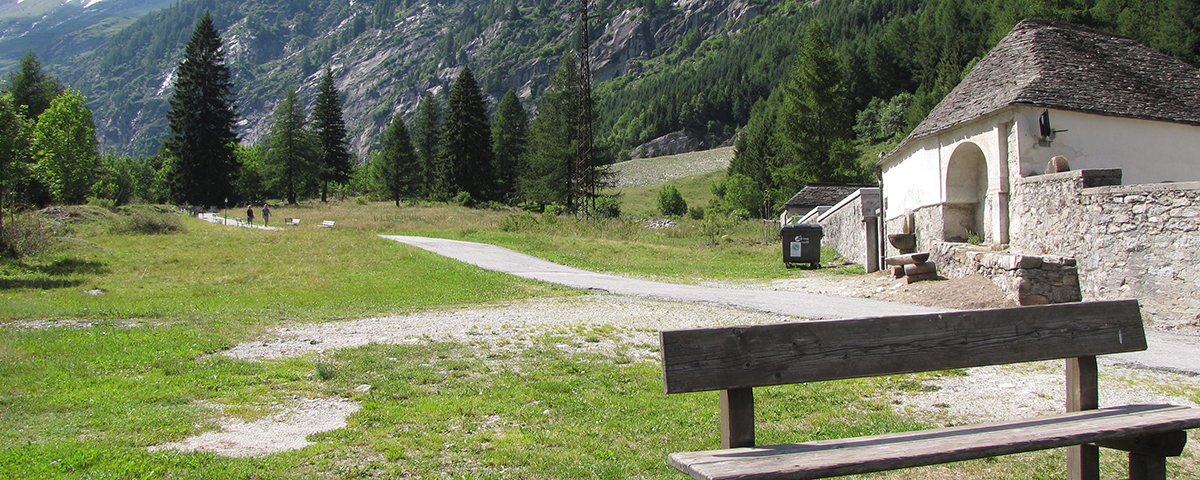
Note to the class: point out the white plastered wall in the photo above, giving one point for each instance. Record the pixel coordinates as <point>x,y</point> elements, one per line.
<point>1147,151</point>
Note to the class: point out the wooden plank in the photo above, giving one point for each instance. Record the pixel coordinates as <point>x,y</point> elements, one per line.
<point>907,259</point>
<point>737,418</point>
<point>752,356</point>
<point>829,458</point>
<point>920,268</point>
<point>1165,445</point>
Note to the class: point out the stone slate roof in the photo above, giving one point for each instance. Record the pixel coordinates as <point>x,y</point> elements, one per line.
<point>1067,67</point>
<point>822,195</point>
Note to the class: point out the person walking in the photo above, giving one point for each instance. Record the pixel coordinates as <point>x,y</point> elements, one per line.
<point>266,214</point>
<point>250,215</point>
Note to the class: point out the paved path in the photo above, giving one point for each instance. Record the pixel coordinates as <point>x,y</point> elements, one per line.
<point>233,222</point>
<point>804,305</point>
<point>1167,351</point>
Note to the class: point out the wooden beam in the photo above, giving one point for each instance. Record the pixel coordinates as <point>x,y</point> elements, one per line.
<point>1083,393</point>
<point>776,354</point>
<point>1166,444</point>
<point>1147,467</point>
<point>737,418</point>
<point>907,259</point>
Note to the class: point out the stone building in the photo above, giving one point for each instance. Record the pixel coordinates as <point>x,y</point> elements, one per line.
<point>1125,118</point>
<point>1047,89</point>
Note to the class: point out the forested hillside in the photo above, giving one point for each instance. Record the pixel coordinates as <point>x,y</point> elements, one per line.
<point>698,65</point>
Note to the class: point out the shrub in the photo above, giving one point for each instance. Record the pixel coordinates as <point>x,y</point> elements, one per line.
<point>464,199</point>
<point>607,207</point>
<point>670,202</point>
<point>696,213</point>
<point>144,222</point>
<point>26,235</point>
<point>554,209</point>
<point>360,201</point>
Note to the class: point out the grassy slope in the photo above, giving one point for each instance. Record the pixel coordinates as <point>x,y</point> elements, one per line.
<point>692,173</point>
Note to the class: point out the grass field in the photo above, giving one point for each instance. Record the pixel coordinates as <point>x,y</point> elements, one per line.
<point>88,381</point>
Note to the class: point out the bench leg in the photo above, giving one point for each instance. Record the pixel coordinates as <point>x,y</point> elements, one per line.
<point>1147,467</point>
<point>1083,461</point>
<point>737,418</point>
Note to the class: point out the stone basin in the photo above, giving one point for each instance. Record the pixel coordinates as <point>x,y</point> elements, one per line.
<point>903,241</point>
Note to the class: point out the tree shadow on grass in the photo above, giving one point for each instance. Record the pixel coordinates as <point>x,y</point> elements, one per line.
<point>47,277</point>
<point>37,283</point>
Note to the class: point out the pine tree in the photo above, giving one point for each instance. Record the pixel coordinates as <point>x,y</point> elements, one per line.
<point>292,151</point>
<point>203,121</point>
<point>395,169</point>
<point>510,137</point>
<point>466,146</point>
<point>427,132</point>
<point>328,124</point>
<point>548,167</point>
<point>815,124</point>
<point>31,88</point>
<point>65,139</point>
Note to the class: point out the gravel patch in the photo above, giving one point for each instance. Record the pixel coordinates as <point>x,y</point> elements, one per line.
<point>283,430</point>
<point>639,321</point>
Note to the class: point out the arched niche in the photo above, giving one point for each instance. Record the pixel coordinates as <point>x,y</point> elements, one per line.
<point>966,188</point>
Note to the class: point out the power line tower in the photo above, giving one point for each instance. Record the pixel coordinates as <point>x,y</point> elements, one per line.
<point>585,181</point>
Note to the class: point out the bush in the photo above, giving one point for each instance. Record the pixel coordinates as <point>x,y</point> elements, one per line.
<point>554,209</point>
<point>607,207</point>
<point>360,200</point>
<point>145,222</point>
<point>696,213</point>
<point>464,199</point>
<point>670,202</point>
<point>26,235</point>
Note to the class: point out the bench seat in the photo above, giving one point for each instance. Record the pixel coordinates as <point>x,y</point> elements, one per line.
<point>828,458</point>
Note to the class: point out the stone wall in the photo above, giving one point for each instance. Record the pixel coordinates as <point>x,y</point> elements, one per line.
<point>1026,279</point>
<point>851,228</point>
<point>1133,241</point>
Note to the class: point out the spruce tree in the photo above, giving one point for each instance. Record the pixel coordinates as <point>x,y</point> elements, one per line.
<point>203,121</point>
<point>31,88</point>
<point>547,168</point>
<point>292,150</point>
<point>329,126</point>
<point>427,133</point>
<point>466,146</point>
<point>510,137</point>
<point>395,169</point>
<point>815,121</point>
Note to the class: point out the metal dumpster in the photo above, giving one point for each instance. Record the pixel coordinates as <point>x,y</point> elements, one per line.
<point>802,244</point>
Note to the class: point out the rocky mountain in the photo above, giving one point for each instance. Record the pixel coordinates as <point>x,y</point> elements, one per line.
<point>383,53</point>
<point>64,28</point>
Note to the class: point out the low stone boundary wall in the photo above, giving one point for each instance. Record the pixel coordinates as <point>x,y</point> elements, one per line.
<point>852,227</point>
<point>1026,279</point>
<point>1131,241</point>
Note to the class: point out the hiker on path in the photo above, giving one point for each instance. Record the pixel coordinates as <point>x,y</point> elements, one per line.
<point>250,215</point>
<point>266,214</point>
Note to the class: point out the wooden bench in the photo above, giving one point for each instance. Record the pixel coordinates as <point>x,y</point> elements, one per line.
<point>734,360</point>
<point>291,221</point>
<point>326,224</point>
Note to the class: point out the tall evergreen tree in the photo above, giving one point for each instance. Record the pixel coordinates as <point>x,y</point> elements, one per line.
<point>427,132</point>
<point>466,146</point>
<point>815,123</point>
<point>548,167</point>
<point>31,88</point>
<point>65,139</point>
<point>203,121</point>
<point>510,137</point>
<point>336,160</point>
<point>395,169</point>
<point>293,151</point>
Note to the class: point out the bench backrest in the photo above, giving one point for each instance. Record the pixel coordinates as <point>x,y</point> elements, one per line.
<point>729,358</point>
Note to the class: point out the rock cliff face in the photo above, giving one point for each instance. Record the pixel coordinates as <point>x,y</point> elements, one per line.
<point>383,69</point>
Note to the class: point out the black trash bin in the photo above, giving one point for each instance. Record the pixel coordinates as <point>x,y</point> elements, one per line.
<point>802,244</point>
